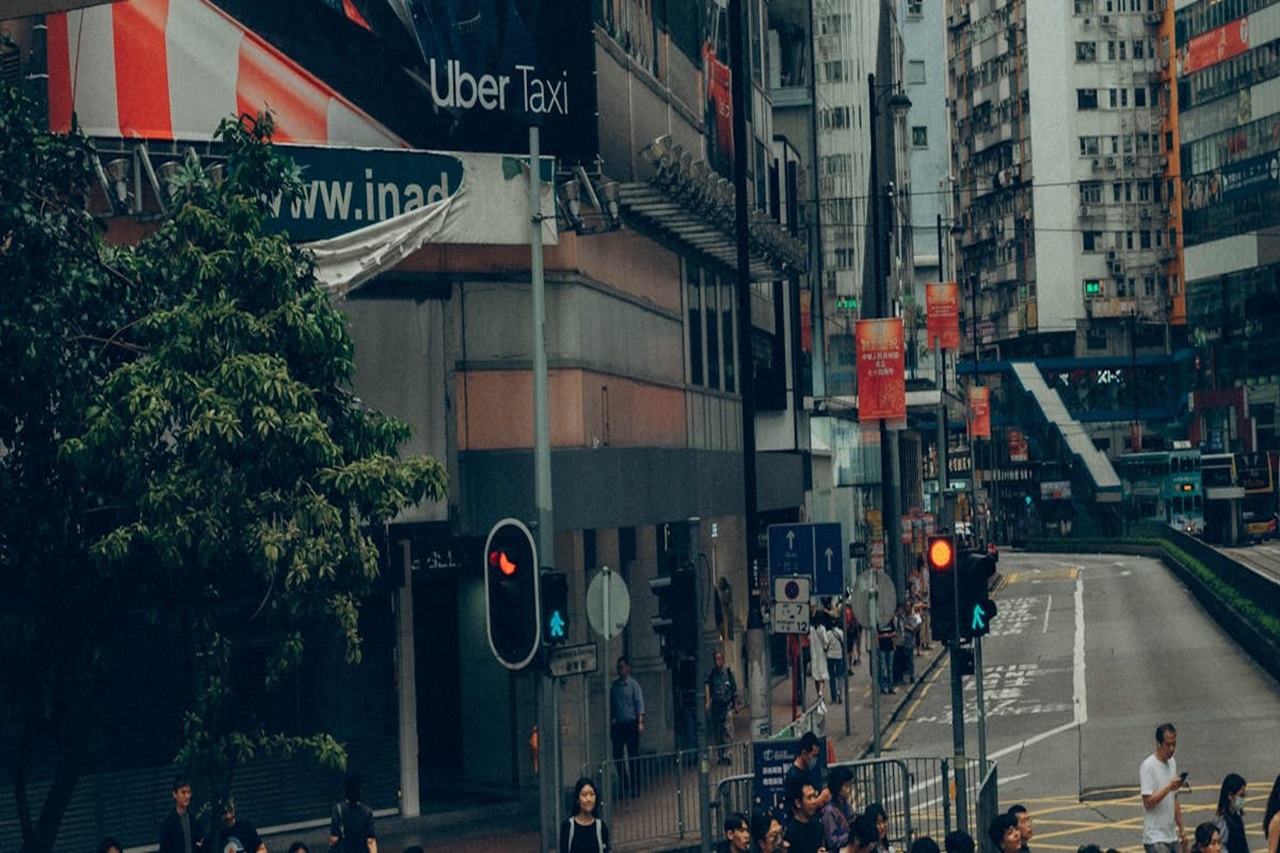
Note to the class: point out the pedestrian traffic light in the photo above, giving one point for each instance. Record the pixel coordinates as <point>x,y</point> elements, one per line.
<point>511,597</point>
<point>676,621</point>
<point>976,568</point>
<point>940,556</point>
<point>555,607</point>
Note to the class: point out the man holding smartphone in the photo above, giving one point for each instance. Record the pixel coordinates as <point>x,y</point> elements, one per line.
<point>1162,827</point>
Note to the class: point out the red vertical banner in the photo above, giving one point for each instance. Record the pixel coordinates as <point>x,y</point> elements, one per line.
<point>942,302</point>
<point>882,385</point>
<point>980,412</point>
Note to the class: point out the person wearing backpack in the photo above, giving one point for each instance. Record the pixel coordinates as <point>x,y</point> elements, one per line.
<point>351,826</point>
<point>584,831</point>
<point>721,699</point>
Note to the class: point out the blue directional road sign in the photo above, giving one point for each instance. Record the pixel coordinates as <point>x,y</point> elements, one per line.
<point>816,550</point>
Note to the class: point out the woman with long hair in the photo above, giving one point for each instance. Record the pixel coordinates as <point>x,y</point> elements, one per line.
<point>1229,818</point>
<point>1271,818</point>
<point>584,831</point>
<point>1208,839</point>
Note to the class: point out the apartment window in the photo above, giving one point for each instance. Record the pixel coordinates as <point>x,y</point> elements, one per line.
<point>1139,49</point>
<point>1086,99</point>
<point>834,69</point>
<point>1084,7</point>
<point>693,290</point>
<point>1096,337</point>
<point>1112,101</point>
<point>1090,146</point>
<point>915,8</point>
<point>1144,191</point>
<point>1116,192</point>
<point>1093,241</point>
<point>915,72</point>
<point>1124,50</point>
<point>1144,239</point>
<point>1111,51</point>
<point>1086,51</point>
<point>1139,97</point>
<point>1091,192</point>
<point>919,136</point>
<point>1124,97</point>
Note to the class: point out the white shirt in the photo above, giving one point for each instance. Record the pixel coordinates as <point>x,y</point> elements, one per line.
<point>1159,824</point>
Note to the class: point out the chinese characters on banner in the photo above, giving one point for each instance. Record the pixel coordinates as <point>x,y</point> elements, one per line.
<point>942,301</point>
<point>882,388</point>
<point>980,412</point>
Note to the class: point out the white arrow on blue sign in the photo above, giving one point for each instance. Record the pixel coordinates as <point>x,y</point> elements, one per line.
<point>816,550</point>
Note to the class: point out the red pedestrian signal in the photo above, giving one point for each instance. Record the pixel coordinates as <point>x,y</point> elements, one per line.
<point>941,553</point>
<point>511,592</point>
<point>940,556</point>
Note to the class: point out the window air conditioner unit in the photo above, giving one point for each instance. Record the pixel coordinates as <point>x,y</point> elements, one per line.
<point>1117,268</point>
<point>1145,213</point>
<point>1111,254</point>
<point>1084,211</point>
<point>1097,164</point>
<point>1111,162</point>
<point>1154,17</point>
<point>1106,20</point>
<point>1129,160</point>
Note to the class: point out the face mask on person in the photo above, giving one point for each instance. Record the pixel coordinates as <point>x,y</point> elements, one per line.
<point>1237,804</point>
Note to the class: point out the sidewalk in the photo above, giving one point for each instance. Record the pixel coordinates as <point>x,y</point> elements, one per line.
<point>513,826</point>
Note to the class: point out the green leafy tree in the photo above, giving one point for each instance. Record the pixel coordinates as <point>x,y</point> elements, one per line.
<point>179,445</point>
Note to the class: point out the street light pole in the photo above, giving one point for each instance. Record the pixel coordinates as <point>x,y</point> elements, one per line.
<point>891,510</point>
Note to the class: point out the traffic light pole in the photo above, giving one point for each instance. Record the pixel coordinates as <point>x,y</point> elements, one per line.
<point>549,785</point>
<point>982,708</point>
<point>957,710</point>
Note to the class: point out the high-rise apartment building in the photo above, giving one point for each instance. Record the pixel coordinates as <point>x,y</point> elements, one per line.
<point>1228,143</point>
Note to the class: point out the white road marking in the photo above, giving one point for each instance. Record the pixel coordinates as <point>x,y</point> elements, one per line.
<point>1080,703</point>
<point>1047,607</point>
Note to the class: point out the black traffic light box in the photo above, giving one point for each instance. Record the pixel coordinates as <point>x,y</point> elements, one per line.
<point>976,568</point>
<point>676,621</point>
<point>940,557</point>
<point>555,607</point>
<point>511,592</point>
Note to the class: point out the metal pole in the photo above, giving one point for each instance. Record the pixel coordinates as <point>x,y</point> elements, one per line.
<point>759,694</point>
<point>873,614</point>
<point>973,439</point>
<point>704,756</point>
<point>941,436</point>
<point>982,708</point>
<point>890,510</point>
<point>548,724</point>
<point>957,708</point>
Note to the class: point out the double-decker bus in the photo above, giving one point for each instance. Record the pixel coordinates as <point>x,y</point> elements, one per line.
<point>1165,486</point>
<point>1256,474</point>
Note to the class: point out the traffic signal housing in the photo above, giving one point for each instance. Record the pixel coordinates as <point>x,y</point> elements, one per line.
<point>676,621</point>
<point>555,607</point>
<point>940,557</point>
<point>511,594</point>
<point>976,569</point>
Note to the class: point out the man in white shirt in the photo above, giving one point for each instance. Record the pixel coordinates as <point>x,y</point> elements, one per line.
<point>1162,827</point>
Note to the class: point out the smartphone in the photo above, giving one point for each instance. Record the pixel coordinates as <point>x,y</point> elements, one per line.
<point>1183,776</point>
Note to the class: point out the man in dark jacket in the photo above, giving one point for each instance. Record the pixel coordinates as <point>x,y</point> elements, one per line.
<point>180,833</point>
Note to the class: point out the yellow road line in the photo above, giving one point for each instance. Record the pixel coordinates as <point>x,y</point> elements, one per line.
<point>902,724</point>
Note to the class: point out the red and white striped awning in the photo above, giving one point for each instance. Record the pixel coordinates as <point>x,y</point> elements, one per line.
<point>173,69</point>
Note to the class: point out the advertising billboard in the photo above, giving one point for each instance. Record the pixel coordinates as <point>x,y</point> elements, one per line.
<point>942,304</point>
<point>425,74</point>
<point>882,390</point>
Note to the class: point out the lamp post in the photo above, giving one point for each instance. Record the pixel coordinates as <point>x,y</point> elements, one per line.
<point>891,510</point>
